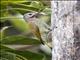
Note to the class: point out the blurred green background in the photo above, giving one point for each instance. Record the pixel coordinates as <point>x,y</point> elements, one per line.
<point>15,31</point>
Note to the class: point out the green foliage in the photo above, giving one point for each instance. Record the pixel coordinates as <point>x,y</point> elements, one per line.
<point>8,53</point>
<point>12,11</point>
<point>10,8</point>
<point>20,24</point>
<point>21,40</point>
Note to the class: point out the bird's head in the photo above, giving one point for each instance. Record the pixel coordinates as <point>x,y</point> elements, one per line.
<point>31,16</point>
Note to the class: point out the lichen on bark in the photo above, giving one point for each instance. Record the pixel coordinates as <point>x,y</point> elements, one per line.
<point>65,31</point>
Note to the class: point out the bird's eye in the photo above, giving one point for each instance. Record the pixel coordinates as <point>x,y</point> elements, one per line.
<point>30,14</point>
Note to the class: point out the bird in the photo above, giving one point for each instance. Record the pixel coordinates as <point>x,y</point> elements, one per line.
<point>39,28</point>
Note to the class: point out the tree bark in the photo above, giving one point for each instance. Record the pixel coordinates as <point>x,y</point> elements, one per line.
<point>65,22</point>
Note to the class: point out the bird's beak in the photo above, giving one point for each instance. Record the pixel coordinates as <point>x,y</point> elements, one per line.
<point>39,14</point>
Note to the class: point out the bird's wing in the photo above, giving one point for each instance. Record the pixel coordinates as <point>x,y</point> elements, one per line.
<point>35,30</point>
<point>44,25</point>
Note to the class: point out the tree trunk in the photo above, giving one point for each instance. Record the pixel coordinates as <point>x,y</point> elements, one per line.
<point>65,22</point>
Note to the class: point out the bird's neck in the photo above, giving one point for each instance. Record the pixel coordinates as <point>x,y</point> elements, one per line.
<point>33,20</point>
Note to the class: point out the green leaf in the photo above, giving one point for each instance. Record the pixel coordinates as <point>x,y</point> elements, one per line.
<point>23,8</point>
<point>19,40</point>
<point>24,55</point>
<point>47,11</point>
<point>5,54</point>
<point>38,5</point>
<point>17,22</point>
<point>2,32</point>
<point>3,47</point>
<point>7,6</point>
<point>16,1</point>
<point>20,24</point>
<point>29,55</point>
